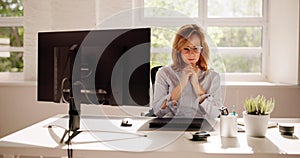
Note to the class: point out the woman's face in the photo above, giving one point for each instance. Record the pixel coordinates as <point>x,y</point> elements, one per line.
<point>190,53</point>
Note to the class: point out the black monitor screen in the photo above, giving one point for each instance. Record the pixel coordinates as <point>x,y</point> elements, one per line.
<point>104,66</point>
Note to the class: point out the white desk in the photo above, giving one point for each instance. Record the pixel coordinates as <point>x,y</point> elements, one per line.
<point>40,140</point>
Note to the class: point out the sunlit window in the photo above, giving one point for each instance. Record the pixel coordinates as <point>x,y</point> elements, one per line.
<point>240,46</point>
<point>180,7</point>
<point>11,36</point>
<point>234,8</point>
<point>237,28</point>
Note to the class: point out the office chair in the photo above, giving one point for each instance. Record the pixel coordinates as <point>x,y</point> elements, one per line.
<point>153,72</point>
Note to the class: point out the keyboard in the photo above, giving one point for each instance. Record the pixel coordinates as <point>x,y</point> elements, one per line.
<point>181,124</point>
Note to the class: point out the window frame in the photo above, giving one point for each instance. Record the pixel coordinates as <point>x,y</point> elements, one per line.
<point>12,22</point>
<point>220,22</point>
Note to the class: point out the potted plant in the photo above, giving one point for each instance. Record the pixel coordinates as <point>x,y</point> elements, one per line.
<point>257,114</point>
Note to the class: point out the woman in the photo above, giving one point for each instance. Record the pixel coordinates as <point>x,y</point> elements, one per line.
<point>188,88</point>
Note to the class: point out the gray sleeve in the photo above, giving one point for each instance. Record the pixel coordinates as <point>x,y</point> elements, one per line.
<point>213,102</point>
<point>161,94</point>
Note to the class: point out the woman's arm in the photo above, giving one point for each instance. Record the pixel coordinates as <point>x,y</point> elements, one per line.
<point>198,89</point>
<point>213,99</point>
<point>165,101</point>
<point>161,94</point>
<point>175,94</point>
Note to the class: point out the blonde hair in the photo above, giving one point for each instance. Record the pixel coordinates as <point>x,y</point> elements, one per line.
<point>182,37</point>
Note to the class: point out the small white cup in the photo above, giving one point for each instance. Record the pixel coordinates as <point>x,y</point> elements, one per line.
<point>228,125</point>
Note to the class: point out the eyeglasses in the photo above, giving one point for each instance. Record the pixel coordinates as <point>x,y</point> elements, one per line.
<point>188,50</point>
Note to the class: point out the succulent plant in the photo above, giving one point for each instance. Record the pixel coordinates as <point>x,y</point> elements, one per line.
<point>259,105</point>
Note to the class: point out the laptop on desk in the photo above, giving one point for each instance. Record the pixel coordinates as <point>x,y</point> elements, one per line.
<point>187,124</point>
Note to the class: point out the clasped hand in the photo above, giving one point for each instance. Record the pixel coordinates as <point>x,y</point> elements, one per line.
<point>191,73</point>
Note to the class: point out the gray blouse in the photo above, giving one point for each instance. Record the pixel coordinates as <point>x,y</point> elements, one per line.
<point>188,104</point>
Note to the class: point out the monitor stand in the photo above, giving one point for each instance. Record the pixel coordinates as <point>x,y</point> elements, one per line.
<point>74,103</point>
<point>74,122</point>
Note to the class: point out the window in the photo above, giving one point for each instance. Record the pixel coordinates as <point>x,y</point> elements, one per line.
<point>11,36</point>
<point>184,8</point>
<point>239,47</point>
<point>234,8</point>
<point>236,28</point>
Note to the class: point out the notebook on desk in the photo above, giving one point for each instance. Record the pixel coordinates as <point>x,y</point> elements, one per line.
<point>181,124</point>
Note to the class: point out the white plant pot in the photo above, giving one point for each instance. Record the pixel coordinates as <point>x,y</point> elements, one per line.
<point>256,125</point>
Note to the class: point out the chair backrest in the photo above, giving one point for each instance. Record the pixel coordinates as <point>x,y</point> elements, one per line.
<point>153,73</point>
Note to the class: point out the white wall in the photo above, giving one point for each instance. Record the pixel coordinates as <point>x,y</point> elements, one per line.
<point>18,105</point>
<point>284,41</point>
<point>287,98</point>
<point>111,9</point>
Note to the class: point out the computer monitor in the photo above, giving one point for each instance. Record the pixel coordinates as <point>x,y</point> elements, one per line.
<point>107,66</point>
